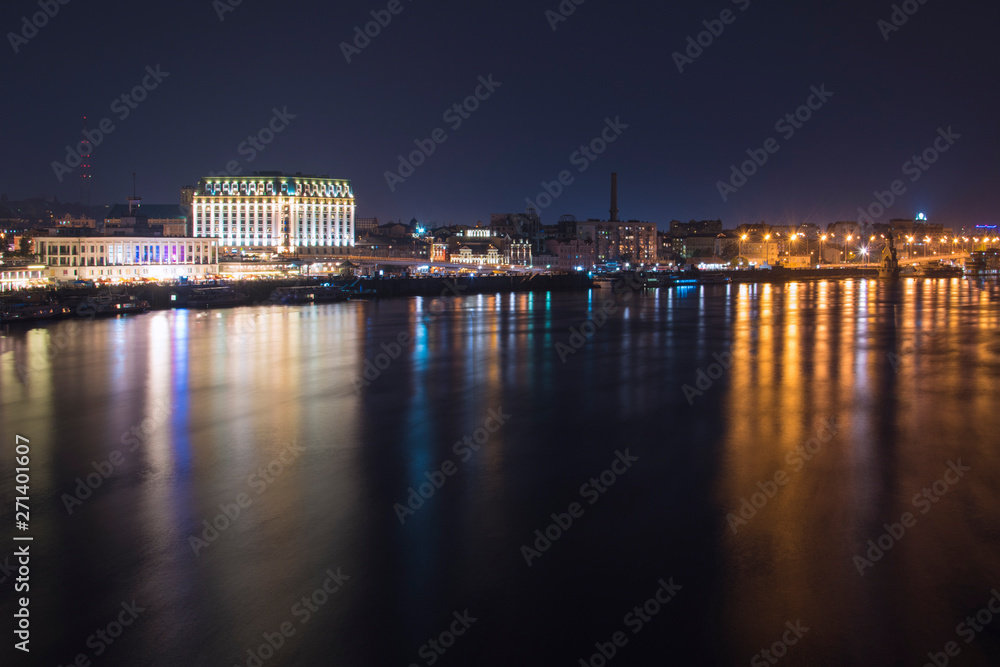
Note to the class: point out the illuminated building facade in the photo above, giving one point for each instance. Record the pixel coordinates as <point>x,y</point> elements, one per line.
<point>488,255</point>
<point>128,258</point>
<point>270,210</point>
<point>20,276</point>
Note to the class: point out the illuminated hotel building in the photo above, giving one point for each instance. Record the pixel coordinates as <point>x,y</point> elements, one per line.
<point>271,210</point>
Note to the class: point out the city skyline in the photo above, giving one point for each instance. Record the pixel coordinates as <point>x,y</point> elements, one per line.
<point>546,332</point>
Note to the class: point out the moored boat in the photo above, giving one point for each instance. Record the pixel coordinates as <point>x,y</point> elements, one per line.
<point>117,304</point>
<point>31,308</point>
<point>215,297</point>
<point>308,294</point>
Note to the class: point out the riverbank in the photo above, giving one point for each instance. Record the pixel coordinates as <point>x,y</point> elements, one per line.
<point>165,297</point>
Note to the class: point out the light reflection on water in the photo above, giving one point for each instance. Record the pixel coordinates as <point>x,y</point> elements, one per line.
<point>908,373</point>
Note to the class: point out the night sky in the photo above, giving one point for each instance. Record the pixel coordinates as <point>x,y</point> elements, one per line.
<point>557,88</point>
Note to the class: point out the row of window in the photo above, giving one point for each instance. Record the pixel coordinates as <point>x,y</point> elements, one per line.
<point>73,250</point>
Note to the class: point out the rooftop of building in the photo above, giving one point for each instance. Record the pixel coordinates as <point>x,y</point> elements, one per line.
<point>272,174</point>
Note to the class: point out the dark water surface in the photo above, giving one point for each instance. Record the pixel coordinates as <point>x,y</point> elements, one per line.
<point>836,403</point>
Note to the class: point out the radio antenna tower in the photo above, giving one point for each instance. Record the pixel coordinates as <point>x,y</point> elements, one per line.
<point>85,170</point>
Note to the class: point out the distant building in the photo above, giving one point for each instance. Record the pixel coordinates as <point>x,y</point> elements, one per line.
<point>138,219</point>
<point>696,228</point>
<point>526,225</point>
<point>760,253</point>
<point>576,253</point>
<point>365,226</point>
<point>477,232</point>
<point>477,249</point>
<point>633,241</point>
<point>696,246</point>
<point>77,221</point>
<point>397,229</point>
<point>842,230</point>
<point>476,253</point>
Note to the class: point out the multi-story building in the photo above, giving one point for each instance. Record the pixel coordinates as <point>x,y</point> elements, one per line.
<point>634,242</point>
<point>575,254</point>
<point>271,210</point>
<point>365,226</point>
<point>127,258</point>
<point>695,246</point>
<point>760,253</point>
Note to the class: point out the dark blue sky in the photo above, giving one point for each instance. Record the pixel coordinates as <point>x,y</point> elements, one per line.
<point>607,60</point>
